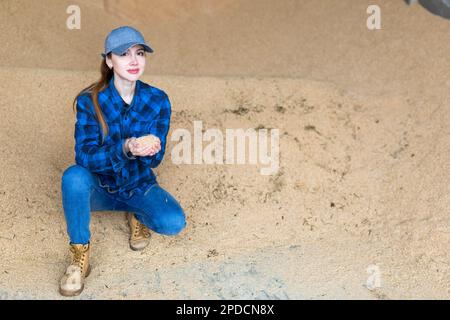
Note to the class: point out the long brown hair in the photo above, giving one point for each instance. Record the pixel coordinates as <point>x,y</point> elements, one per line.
<point>94,89</point>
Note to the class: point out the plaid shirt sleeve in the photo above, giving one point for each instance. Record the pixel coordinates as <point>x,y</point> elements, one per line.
<point>102,159</point>
<point>160,128</point>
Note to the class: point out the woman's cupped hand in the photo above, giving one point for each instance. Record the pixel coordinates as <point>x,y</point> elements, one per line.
<point>143,146</point>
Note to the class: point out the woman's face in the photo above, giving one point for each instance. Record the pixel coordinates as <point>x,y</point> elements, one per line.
<point>130,65</point>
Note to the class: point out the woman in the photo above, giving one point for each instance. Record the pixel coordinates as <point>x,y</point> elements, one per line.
<point>120,135</point>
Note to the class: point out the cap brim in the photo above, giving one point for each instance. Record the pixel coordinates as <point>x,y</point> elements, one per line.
<point>123,48</point>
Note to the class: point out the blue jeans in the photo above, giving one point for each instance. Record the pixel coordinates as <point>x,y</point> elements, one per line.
<point>81,194</point>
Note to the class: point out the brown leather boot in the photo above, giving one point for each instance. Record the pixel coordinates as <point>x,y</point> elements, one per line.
<point>72,282</point>
<point>140,235</point>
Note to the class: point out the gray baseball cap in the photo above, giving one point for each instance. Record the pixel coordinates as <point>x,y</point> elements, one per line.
<point>121,39</point>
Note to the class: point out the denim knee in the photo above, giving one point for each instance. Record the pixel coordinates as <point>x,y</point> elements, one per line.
<point>76,179</point>
<point>172,224</point>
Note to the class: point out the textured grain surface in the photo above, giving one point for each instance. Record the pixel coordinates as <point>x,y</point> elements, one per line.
<point>364,152</point>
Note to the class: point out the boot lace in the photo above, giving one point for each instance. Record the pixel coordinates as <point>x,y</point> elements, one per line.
<point>140,231</point>
<point>78,257</point>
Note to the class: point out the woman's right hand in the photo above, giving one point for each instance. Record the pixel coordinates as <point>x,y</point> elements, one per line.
<point>128,143</point>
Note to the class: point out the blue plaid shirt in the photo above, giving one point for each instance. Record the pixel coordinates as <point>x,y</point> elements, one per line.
<point>117,171</point>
